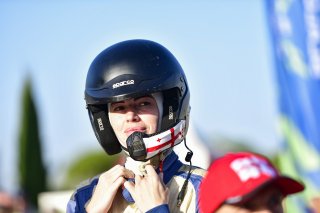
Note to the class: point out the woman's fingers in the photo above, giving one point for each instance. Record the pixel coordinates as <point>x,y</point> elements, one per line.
<point>108,184</point>
<point>150,171</point>
<point>148,191</point>
<point>117,171</point>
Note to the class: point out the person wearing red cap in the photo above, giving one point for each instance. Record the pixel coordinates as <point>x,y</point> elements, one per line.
<point>245,182</point>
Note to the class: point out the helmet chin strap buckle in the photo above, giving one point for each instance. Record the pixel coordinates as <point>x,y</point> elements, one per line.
<point>136,146</point>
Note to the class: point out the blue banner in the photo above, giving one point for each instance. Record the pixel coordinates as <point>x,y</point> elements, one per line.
<point>295,34</point>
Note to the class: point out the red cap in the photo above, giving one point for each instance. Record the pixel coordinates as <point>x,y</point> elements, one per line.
<point>235,176</point>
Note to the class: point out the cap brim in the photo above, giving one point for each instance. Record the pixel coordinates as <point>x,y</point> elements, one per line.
<point>288,185</point>
<point>285,184</point>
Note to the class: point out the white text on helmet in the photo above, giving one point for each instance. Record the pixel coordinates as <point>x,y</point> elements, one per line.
<point>100,124</point>
<point>122,83</point>
<point>170,113</point>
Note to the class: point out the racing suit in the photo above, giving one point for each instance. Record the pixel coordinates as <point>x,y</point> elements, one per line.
<point>174,175</point>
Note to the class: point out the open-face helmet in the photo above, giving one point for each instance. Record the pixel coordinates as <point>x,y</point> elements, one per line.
<point>131,69</point>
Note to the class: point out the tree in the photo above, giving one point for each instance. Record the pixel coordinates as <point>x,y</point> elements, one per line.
<point>32,174</point>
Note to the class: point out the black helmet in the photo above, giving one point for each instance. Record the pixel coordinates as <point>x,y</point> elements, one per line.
<point>131,69</point>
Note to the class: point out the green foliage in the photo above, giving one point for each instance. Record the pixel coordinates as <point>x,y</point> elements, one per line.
<point>32,174</point>
<point>89,165</point>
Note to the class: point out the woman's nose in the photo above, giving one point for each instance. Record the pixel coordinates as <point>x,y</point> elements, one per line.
<point>132,115</point>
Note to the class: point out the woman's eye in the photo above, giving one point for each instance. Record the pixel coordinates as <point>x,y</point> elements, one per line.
<point>118,108</point>
<point>144,103</point>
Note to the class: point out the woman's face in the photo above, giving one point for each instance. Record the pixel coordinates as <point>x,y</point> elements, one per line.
<point>133,115</point>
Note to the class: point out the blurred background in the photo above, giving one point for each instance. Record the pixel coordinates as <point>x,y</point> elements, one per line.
<point>226,50</point>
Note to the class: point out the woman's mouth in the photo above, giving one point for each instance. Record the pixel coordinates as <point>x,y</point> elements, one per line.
<point>130,130</point>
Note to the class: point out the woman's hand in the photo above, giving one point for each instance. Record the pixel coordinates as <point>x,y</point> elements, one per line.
<point>148,191</point>
<point>107,187</point>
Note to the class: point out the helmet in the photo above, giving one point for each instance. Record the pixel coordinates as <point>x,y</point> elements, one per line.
<point>131,69</point>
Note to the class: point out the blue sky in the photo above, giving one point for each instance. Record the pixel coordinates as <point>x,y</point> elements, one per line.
<point>223,47</point>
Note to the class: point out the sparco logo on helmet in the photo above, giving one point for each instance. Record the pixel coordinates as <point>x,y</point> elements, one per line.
<point>122,83</point>
<point>100,124</point>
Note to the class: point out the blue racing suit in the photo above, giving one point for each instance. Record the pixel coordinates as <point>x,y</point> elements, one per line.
<point>174,175</point>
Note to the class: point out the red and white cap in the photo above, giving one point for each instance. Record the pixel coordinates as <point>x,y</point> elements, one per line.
<point>236,176</point>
